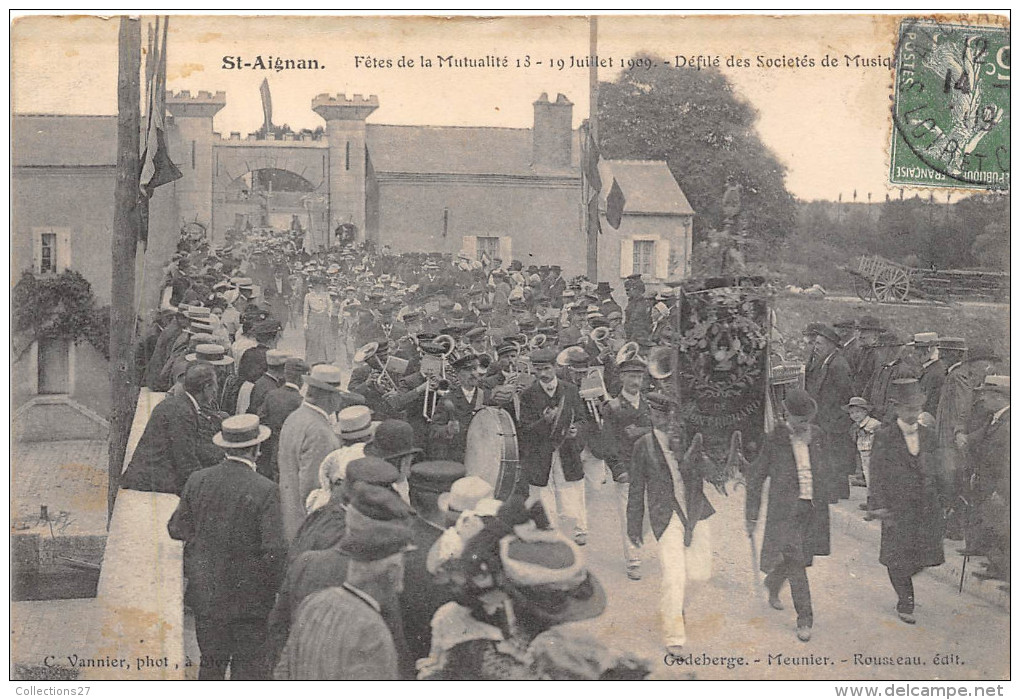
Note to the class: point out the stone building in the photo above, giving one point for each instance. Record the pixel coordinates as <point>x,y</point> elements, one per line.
<point>512,193</point>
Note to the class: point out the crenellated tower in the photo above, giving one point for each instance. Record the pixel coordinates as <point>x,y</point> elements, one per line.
<point>345,129</point>
<point>191,148</point>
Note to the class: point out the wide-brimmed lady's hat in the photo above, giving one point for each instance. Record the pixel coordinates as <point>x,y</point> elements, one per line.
<point>243,430</point>
<point>545,575</point>
<point>211,353</point>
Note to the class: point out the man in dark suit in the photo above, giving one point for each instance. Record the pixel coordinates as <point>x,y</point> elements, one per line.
<point>933,369</point>
<point>279,404</point>
<point>828,382</point>
<point>421,596</point>
<point>625,419</point>
<point>665,469</point>
<point>797,521</point>
<point>272,379</point>
<point>455,410</point>
<point>234,555</point>
<point>550,429</point>
<point>172,446</point>
<point>638,319</point>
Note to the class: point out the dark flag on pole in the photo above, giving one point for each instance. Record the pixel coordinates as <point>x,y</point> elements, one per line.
<point>267,104</point>
<point>590,165</point>
<point>615,201</point>
<point>157,168</point>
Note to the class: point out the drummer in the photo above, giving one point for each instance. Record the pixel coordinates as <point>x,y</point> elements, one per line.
<point>456,409</point>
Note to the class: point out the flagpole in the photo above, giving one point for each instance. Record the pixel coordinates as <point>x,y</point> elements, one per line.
<point>592,207</point>
<point>123,392</point>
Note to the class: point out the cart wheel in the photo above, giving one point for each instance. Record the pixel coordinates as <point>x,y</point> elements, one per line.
<point>891,284</point>
<point>863,289</point>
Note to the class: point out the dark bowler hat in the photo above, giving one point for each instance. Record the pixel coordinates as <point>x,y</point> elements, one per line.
<point>240,431</point>
<point>436,476</point>
<point>799,403</point>
<point>828,332</point>
<point>394,438</point>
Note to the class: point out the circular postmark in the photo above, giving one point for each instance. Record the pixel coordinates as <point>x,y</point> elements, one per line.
<point>951,107</point>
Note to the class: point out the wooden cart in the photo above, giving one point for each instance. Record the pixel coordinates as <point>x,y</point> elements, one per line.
<point>878,279</point>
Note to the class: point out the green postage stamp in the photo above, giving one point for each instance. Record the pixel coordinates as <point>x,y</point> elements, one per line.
<point>951,107</point>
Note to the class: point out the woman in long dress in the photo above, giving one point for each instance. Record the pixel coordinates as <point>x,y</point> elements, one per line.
<point>318,308</point>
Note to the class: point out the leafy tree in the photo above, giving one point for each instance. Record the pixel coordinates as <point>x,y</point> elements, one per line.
<point>695,121</point>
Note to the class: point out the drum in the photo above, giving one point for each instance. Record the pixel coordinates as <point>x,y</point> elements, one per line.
<point>492,450</point>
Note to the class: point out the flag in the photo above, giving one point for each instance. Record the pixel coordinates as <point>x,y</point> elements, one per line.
<point>157,168</point>
<point>267,104</point>
<point>590,165</point>
<point>615,202</point>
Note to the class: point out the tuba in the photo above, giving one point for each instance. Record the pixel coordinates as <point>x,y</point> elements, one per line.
<point>630,351</point>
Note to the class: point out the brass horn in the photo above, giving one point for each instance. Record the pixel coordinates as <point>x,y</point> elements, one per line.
<point>662,362</point>
<point>537,341</point>
<point>630,351</point>
<point>600,334</point>
<point>366,352</point>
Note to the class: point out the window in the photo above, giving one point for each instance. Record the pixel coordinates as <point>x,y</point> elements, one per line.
<point>51,250</point>
<point>347,156</point>
<point>644,257</point>
<point>54,366</point>
<point>488,246</point>
<point>48,253</point>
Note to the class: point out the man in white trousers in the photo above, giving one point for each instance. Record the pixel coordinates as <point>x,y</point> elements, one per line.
<point>665,468</point>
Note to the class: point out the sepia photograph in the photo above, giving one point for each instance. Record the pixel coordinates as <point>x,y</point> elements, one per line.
<point>511,347</point>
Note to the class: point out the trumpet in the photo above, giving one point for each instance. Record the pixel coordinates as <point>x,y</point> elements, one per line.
<point>438,352</point>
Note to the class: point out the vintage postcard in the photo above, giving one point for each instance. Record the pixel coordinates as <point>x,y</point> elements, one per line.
<point>511,347</point>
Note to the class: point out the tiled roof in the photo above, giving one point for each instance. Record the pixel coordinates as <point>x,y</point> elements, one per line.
<point>455,150</point>
<point>648,186</point>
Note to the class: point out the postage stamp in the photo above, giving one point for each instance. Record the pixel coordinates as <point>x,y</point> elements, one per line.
<point>951,107</point>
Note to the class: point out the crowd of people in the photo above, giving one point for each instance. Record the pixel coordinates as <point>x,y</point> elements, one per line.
<point>334,527</point>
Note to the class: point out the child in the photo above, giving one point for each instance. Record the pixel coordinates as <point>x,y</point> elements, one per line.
<point>863,432</point>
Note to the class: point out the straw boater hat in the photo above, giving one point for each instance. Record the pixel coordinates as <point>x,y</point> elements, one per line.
<point>211,353</point>
<point>924,339</point>
<point>240,431</point>
<point>355,422</point>
<point>999,383</point>
<point>276,358</point>
<point>325,377</point>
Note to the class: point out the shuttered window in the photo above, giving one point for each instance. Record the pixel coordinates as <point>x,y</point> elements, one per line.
<point>487,246</point>
<point>644,257</point>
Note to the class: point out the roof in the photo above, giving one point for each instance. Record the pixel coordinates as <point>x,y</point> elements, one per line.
<point>648,187</point>
<point>64,139</point>
<point>475,150</point>
<point>90,140</point>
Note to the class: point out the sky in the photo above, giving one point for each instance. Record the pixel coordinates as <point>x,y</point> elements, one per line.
<point>831,127</point>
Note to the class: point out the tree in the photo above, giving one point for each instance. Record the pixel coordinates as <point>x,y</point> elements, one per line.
<point>695,121</point>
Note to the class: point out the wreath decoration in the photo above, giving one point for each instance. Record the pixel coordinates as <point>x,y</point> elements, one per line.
<point>58,306</point>
<point>721,347</point>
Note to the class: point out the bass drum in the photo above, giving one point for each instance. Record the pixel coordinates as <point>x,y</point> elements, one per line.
<point>491,452</point>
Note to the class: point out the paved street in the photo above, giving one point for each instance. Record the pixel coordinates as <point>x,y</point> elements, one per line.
<point>856,635</point>
<point>855,622</point>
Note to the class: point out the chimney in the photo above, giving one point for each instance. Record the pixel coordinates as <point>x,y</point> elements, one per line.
<point>552,137</point>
